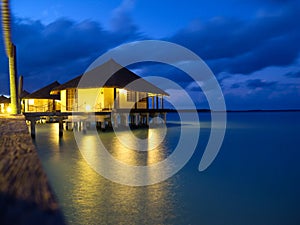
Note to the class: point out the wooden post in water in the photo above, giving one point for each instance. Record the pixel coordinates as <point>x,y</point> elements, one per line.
<point>68,125</point>
<point>103,125</point>
<point>115,120</point>
<point>153,106</point>
<point>60,127</point>
<point>147,119</point>
<point>32,128</point>
<point>165,117</point>
<point>84,127</point>
<point>124,119</point>
<point>74,126</point>
<point>136,119</point>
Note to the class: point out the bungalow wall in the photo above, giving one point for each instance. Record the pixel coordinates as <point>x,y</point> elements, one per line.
<point>98,99</point>
<point>4,107</point>
<point>63,100</point>
<point>95,99</point>
<point>87,99</point>
<point>41,105</point>
<point>128,99</point>
<point>108,97</point>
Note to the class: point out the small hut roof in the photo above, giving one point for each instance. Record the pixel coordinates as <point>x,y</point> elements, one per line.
<point>24,94</point>
<point>44,93</point>
<point>4,99</point>
<point>115,76</point>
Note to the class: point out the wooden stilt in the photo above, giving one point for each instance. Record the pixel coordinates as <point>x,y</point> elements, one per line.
<point>32,128</point>
<point>136,119</point>
<point>126,119</point>
<point>60,127</point>
<point>147,119</point>
<point>84,127</point>
<point>115,120</point>
<point>103,125</point>
<point>68,125</point>
<point>153,105</point>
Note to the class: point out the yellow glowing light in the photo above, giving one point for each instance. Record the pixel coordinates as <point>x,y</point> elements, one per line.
<point>8,109</point>
<point>31,102</point>
<point>122,91</point>
<point>88,108</point>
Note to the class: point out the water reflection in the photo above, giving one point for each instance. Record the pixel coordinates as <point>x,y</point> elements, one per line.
<point>88,198</point>
<point>127,204</point>
<point>238,181</point>
<point>142,139</point>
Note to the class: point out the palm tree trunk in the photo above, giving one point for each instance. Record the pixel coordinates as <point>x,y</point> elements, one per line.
<point>10,52</point>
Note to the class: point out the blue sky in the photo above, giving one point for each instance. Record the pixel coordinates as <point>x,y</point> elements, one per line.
<point>251,46</point>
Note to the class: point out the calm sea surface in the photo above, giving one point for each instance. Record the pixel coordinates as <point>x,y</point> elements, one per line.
<point>255,178</point>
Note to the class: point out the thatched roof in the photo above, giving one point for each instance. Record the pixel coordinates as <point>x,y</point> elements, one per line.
<point>24,94</point>
<point>44,93</point>
<point>4,99</point>
<point>115,76</point>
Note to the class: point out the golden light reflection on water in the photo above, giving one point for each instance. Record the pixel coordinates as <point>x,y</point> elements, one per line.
<point>141,155</point>
<point>155,138</point>
<point>85,186</point>
<point>53,139</point>
<point>88,198</point>
<point>93,194</point>
<point>54,131</point>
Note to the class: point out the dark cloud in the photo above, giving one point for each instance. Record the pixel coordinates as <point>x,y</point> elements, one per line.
<point>121,20</point>
<point>280,96</point>
<point>234,86</point>
<point>293,74</point>
<point>59,50</point>
<point>276,1</point>
<point>163,70</point>
<point>58,43</point>
<point>258,83</point>
<point>64,48</point>
<point>240,46</point>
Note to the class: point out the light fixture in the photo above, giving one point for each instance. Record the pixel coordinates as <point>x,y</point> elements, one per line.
<point>8,109</point>
<point>31,102</point>
<point>88,108</point>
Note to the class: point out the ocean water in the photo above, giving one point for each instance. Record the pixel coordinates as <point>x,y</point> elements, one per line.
<point>255,178</point>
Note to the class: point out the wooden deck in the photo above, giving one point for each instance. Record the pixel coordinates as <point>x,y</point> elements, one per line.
<point>25,193</point>
<point>126,117</point>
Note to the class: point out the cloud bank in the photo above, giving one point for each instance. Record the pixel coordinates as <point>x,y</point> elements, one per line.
<point>235,47</point>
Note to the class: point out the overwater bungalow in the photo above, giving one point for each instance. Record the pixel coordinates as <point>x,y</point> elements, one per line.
<point>41,100</point>
<point>122,91</point>
<point>23,94</point>
<point>4,104</point>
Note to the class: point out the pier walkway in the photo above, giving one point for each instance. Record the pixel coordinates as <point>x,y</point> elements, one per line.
<point>25,193</point>
<point>116,117</point>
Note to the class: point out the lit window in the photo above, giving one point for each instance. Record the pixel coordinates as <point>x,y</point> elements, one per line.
<point>142,97</point>
<point>122,91</point>
<point>31,102</point>
<point>131,96</point>
<point>72,99</point>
